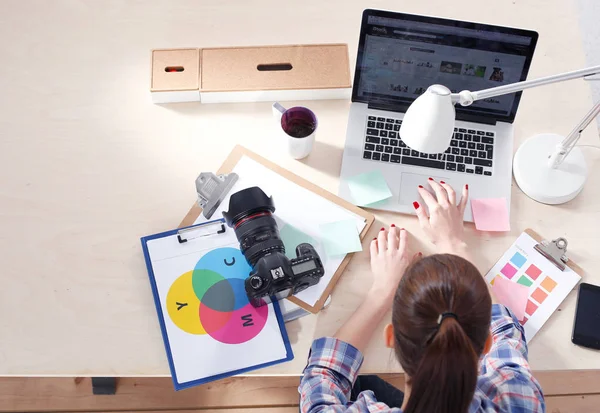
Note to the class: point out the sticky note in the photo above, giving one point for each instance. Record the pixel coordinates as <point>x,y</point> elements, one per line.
<point>340,237</point>
<point>490,214</point>
<point>533,271</point>
<point>509,271</point>
<point>548,284</point>
<point>292,237</point>
<point>368,188</point>
<point>531,307</point>
<point>524,280</point>
<point>518,259</point>
<point>512,295</point>
<point>539,295</point>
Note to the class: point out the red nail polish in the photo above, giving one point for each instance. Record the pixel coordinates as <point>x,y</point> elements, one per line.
<point>416,205</point>
<point>442,182</point>
<point>420,254</point>
<point>420,186</point>
<point>431,179</point>
<point>467,186</point>
<point>393,225</point>
<point>401,229</point>
<point>374,239</point>
<point>382,229</point>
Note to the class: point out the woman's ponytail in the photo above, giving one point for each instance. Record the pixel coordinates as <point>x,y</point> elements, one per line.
<point>441,319</point>
<point>446,377</point>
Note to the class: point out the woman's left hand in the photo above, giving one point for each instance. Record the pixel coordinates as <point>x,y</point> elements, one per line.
<point>389,260</point>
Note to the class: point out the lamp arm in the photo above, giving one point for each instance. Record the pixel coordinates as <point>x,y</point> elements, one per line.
<point>564,148</point>
<point>465,98</point>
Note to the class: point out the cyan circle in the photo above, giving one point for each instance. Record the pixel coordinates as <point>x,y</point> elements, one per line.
<point>228,262</point>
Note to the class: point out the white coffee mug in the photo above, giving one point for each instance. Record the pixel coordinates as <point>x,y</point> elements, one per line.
<point>298,125</point>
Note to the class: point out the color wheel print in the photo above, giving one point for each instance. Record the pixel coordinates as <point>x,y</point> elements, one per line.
<point>211,299</point>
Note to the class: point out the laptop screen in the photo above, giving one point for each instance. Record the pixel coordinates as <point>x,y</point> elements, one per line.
<point>401,55</point>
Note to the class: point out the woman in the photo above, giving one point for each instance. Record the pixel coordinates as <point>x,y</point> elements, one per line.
<point>460,351</point>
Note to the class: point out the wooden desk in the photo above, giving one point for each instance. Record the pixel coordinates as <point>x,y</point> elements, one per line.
<point>89,164</point>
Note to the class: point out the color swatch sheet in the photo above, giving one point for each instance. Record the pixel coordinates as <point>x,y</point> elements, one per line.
<point>302,216</point>
<point>548,286</point>
<point>210,328</point>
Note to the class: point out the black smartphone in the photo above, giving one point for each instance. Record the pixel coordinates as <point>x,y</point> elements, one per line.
<point>586,328</point>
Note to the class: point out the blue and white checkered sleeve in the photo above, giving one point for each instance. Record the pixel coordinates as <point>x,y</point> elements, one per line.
<point>506,377</point>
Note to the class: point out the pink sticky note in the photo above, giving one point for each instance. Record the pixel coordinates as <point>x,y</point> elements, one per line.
<point>512,295</point>
<point>490,214</point>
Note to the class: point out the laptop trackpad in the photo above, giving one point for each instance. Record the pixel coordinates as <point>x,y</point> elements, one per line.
<point>409,183</point>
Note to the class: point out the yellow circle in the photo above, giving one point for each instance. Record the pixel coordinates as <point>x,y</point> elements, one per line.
<point>183,306</point>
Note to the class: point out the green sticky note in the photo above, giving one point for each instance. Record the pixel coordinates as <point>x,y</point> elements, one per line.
<point>368,188</point>
<point>525,281</point>
<point>340,237</point>
<point>292,237</point>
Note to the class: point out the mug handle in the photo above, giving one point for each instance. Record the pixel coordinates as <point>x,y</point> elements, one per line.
<point>278,110</point>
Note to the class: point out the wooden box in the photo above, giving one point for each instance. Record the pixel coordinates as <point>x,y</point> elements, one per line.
<point>175,75</point>
<point>275,73</point>
<point>251,74</point>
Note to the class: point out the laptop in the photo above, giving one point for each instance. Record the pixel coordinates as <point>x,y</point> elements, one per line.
<point>399,57</point>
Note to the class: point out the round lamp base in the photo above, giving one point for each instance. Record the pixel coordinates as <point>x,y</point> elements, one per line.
<point>542,183</point>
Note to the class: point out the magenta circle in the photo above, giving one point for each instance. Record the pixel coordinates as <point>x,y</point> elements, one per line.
<point>243,325</point>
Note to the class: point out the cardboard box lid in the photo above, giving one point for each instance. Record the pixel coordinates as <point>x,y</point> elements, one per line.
<point>247,68</point>
<point>175,69</point>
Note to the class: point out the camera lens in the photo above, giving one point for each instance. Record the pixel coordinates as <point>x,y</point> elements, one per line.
<point>256,282</point>
<point>250,216</point>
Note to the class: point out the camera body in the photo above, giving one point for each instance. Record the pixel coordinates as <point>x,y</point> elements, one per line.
<point>274,276</point>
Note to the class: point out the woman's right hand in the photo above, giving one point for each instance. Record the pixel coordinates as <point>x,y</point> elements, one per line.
<point>444,226</point>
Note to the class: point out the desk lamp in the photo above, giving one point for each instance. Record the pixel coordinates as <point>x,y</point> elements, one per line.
<point>547,167</point>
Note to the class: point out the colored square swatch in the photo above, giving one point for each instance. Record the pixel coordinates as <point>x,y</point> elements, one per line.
<point>509,271</point>
<point>531,307</point>
<point>539,295</point>
<point>524,280</point>
<point>533,271</point>
<point>548,284</point>
<point>523,321</point>
<point>518,259</point>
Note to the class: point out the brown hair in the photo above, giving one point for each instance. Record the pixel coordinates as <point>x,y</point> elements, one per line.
<point>441,359</point>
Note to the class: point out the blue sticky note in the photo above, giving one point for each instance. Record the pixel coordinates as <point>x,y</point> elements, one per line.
<point>518,259</point>
<point>368,188</point>
<point>292,237</point>
<point>341,237</point>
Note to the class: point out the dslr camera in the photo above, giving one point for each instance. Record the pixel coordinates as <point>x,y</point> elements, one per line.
<point>274,276</point>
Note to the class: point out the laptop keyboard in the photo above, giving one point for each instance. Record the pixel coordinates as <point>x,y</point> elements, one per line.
<point>471,151</point>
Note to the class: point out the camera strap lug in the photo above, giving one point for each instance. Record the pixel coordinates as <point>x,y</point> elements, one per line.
<point>212,190</point>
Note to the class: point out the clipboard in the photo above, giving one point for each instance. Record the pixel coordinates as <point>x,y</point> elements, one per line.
<point>227,167</point>
<point>184,238</point>
<point>532,278</point>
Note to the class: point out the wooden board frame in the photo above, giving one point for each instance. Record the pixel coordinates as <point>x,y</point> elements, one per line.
<point>229,164</point>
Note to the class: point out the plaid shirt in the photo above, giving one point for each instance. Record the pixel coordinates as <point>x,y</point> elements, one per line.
<point>505,382</point>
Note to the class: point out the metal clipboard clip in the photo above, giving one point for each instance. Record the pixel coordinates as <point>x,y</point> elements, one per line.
<point>205,229</point>
<point>554,251</point>
<point>212,189</point>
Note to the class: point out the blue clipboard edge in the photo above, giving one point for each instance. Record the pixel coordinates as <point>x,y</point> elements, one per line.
<point>163,328</point>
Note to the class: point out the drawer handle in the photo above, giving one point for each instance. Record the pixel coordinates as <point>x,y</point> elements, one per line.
<point>273,67</point>
<point>171,69</point>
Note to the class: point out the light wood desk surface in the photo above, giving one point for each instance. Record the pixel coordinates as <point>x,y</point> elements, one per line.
<point>88,165</point>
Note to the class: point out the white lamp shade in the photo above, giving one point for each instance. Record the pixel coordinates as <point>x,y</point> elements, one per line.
<point>428,124</point>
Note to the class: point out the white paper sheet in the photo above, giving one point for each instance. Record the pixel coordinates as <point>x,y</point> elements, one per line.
<point>197,356</point>
<point>297,206</point>
<point>540,281</point>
